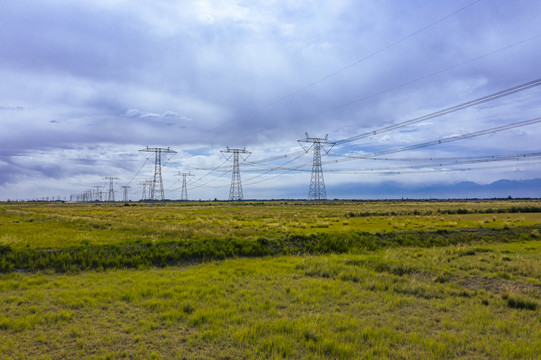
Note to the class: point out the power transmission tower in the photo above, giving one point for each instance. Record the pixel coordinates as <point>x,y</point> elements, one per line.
<point>98,193</point>
<point>144,185</point>
<point>184,192</point>
<point>235,192</point>
<point>317,191</point>
<point>125,192</point>
<point>111,195</point>
<point>158,170</point>
<point>87,196</point>
<point>149,186</point>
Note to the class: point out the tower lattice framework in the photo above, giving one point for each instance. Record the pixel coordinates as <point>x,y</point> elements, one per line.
<point>111,194</point>
<point>184,191</point>
<point>235,191</point>
<point>125,192</point>
<point>317,190</point>
<point>98,193</point>
<point>157,180</point>
<point>143,184</point>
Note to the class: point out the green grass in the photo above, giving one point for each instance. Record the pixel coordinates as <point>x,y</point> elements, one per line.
<point>291,281</point>
<point>32,225</point>
<point>391,303</point>
<point>167,253</point>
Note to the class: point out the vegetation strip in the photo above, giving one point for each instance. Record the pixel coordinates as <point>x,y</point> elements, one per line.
<point>459,211</point>
<point>146,254</point>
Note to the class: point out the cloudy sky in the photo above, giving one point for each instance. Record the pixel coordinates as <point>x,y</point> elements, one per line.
<point>86,84</point>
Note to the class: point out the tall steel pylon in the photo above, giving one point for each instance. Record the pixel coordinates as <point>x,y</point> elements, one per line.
<point>125,192</point>
<point>98,193</point>
<point>144,186</point>
<point>235,191</point>
<point>111,195</point>
<point>149,186</point>
<point>317,191</point>
<point>157,170</point>
<point>184,192</point>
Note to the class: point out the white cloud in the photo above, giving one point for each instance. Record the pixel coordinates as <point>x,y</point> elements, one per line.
<point>133,112</point>
<point>169,114</point>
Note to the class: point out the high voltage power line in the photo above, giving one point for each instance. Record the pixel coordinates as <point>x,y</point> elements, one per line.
<point>494,130</point>
<point>482,100</point>
<point>449,110</point>
<point>400,171</point>
<point>454,162</point>
<point>459,137</point>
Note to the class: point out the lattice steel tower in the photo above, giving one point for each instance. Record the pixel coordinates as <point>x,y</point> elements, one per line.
<point>125,192</point>
<point>317,191</point>
<point>235,191</point>
<point>158,170</point>
<point>184,192</point>
<point>144,185</point>
<point>111,195</point>
<point>149,186</point>
<point>98,193</point>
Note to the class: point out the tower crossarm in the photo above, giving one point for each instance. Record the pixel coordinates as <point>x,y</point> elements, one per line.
<point>157,149</point>
<point>324,143</point>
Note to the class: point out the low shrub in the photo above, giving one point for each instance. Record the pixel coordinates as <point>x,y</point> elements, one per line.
<point>160,254</point>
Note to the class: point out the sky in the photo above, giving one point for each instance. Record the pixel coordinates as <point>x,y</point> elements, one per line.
<point>87,84</point>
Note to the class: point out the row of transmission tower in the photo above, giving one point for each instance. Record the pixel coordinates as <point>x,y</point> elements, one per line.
<point>317,191</point>
<point>96,193</point>
<point>153,188</point>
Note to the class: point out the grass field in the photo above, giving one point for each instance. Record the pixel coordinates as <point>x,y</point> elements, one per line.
<point>60,225</point>
<point>475,294</point>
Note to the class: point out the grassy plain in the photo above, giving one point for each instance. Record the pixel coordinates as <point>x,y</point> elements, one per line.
<point>471,300</point>
<point>38,225</point>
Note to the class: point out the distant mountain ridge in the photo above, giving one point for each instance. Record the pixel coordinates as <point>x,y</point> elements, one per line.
<point>462,190</point>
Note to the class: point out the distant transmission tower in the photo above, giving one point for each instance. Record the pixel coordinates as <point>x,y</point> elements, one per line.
<point>184,192</point>
<point>144,185</point>
<point>98,193</point>
<point>111,195</point>
<point>317,191</point>
<point>125,192</point>
<point>235,192</point>
<point>158,170</point>
<point>149,186</point>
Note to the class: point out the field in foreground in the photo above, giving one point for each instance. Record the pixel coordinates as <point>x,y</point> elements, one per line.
<point>452,302</point>
<point>475,298</point>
